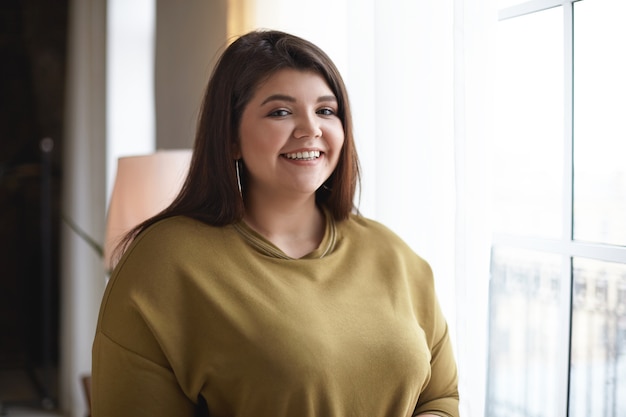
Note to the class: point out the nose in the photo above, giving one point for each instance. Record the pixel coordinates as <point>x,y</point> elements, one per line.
<point>308,126</point>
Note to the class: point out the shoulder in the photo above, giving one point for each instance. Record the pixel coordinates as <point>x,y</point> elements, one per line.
<point>368,235</point>
<point>179,229</point>
<point>359,227</point>
<point>174,239</point>
<point>174,227</point>
<point>164,259</point>
<point>358,224</point>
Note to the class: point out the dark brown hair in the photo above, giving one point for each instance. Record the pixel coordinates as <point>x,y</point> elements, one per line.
<point>210,192</point>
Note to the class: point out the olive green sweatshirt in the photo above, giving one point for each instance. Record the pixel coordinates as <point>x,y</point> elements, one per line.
<point>195,313</point>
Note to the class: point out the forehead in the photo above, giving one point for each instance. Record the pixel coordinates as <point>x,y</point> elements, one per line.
<point>293,81</point>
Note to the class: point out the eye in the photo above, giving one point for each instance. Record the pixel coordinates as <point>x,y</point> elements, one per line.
<point>279,113</point>
<point>326,111</point>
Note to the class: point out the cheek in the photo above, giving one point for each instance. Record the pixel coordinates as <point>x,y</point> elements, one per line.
<point>250,141</point>
<point>266,137</point>
<point>259,150</point>
<point>337,140</point>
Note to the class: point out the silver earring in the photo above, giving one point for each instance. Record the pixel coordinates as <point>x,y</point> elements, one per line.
<point>238,174</point>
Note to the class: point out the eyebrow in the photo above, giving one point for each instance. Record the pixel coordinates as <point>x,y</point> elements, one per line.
<point>284,97</point>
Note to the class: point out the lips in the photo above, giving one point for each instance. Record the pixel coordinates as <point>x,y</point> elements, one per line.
<point>303,156</point>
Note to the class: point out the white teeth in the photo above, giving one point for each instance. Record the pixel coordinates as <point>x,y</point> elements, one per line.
<point>303,156</point>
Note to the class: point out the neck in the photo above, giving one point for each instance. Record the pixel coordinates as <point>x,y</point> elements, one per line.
<point>296,227</point>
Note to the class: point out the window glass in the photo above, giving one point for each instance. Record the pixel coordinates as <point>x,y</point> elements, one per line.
<point>528,132</point>
<point>508,3</point>
<point>524,334</point>
<point>598,358</point>
<point>599,128</point>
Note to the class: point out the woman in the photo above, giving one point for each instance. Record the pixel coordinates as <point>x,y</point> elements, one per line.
<point>259,292</point>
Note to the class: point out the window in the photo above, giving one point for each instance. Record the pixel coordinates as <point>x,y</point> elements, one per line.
<point>557,327</point>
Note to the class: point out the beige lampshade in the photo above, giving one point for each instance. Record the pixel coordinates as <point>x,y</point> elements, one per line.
<point>144,185</point>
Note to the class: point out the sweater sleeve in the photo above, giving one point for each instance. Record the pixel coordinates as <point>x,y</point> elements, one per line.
<point>132,370</point>
<point>129,385</point>
<point>440,396</point>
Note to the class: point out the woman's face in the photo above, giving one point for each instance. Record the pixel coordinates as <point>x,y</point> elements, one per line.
<point>290,136</point>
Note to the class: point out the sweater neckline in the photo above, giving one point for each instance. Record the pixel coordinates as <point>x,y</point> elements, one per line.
<point>264,246</point>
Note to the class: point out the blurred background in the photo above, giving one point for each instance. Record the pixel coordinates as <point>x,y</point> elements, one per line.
<point>491,139</point>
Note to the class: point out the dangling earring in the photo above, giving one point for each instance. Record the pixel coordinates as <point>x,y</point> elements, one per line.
<point>238,174</point>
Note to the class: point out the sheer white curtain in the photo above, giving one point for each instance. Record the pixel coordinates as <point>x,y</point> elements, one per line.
<point>474,29</point>
<point>418,75</point>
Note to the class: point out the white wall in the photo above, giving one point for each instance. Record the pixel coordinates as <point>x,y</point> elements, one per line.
<point>189,37</point>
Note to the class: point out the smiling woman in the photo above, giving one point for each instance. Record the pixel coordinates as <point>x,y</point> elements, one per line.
<point>290,142</point>
<point>271,297</point>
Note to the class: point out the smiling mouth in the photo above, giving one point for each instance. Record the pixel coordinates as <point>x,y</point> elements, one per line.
<point>303,156</point>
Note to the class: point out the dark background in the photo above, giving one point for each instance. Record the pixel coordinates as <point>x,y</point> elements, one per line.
<point>33,40</point>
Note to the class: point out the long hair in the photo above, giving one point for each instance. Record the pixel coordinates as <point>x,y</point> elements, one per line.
<point>210,192</point>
